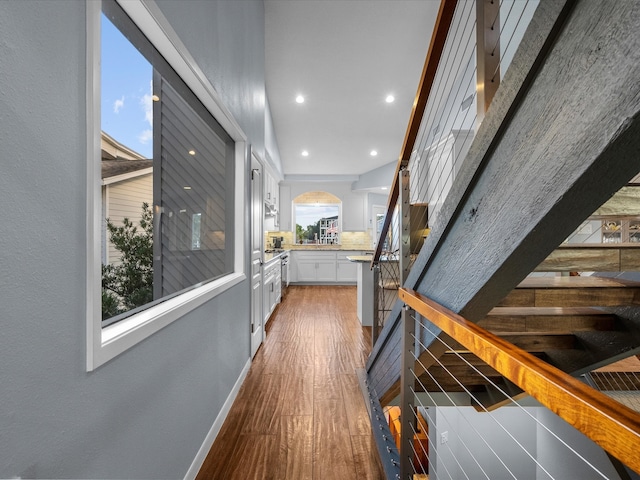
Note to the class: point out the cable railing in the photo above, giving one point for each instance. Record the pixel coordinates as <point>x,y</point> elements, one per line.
<point>436,47</point>
<point>475,438</point>
<point>442,126</point>
<point>449,431</point>
<point>620,381</point>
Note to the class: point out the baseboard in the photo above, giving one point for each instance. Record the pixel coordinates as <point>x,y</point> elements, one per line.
<point>217,425</point>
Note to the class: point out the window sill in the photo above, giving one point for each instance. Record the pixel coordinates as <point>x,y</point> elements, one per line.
<point>111,341</point>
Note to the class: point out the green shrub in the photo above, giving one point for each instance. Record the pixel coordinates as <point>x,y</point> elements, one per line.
<point>129,284</point>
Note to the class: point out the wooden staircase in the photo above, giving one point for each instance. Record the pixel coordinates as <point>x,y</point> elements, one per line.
<point>575,323</point>
<point>573,291</point>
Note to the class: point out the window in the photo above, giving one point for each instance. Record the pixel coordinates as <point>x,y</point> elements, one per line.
<point>171,161</point>
<point>317,223</point>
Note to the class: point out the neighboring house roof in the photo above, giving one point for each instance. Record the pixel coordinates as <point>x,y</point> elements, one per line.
<point>121,166</point>
<point>111,149</point>
<point>118,160</point>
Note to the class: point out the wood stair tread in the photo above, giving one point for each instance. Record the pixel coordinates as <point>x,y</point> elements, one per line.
<point>533,334</point>
<point>546,311</point>
<point>599,246</point>
<point>587,291</point>
<point>576,282</point>
<point>592,257</point>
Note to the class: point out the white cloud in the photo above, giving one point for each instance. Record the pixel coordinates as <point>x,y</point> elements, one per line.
<point>147,104</point>
<point>145,136</point>
<point>118,104</point>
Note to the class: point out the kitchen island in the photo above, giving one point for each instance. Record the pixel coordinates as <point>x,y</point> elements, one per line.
<point>364,282</point>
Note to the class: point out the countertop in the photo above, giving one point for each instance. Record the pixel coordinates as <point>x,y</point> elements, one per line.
<point>367,258</point>
<point>329,248</point>
<point>269,257</point>
<point>360,258</point>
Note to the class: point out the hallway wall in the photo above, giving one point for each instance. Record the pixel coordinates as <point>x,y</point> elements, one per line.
<point>146,413</point>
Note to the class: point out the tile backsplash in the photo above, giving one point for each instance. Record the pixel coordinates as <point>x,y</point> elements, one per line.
<point>349,240</point>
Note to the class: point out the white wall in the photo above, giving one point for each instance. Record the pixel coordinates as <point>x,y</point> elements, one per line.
<point>466,452</point>
<point>530,427</point>
<point>559,461</point>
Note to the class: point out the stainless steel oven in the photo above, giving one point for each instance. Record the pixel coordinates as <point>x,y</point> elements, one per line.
<point>284,264</point>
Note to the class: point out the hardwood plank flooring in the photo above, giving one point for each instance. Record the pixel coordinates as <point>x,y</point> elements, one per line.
<point>300,413</point>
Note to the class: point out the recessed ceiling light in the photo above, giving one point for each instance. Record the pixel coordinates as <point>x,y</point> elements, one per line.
<point>383,188</point>
<point>389,99</point>
<point>192,152</point>
<point>299,99</point>
<point>187,187</point>
<point>373,153</point>
<point>305,153</point>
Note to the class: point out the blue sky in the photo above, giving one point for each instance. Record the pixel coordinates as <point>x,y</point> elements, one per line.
<point>126,92</point>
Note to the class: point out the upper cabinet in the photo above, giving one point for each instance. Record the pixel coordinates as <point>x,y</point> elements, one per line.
<point>285,208</point>
<point>271,201</point>
<point>270,189</point>
<point>353,211</point>
<point>271,197</point>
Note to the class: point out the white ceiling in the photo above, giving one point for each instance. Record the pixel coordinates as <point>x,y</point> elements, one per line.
<point>345,57</point>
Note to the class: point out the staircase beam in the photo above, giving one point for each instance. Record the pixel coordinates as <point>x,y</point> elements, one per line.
<point>554,146</point>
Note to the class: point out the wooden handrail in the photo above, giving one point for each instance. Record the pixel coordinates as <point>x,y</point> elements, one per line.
<point>613,426</point>
<point>436,47</point>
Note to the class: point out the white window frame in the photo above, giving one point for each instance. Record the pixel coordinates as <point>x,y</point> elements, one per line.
<point>103,344</point>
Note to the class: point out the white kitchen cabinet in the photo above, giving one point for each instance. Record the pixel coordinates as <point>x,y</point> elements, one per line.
<point>305,270</point>
<point>326,270</point>
<point>285,208</point>
<point>272,282</point>
<point>268,187</point>
<point>271,192</point>
<point>353,213</point>
<point>271,201</point>
<point>315,266</point>
<point>324,267</point>
<point>346,270</point>
<point>277,289</point>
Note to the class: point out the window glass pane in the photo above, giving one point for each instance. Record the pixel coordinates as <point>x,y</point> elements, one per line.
<point>317,223</point>
<point>168,173</point>
<point>193,181</point>
<point>126,82</point>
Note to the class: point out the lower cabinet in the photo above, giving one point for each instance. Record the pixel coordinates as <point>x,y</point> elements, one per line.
<point>272,288</point>
<point>277,289</point>
<point>315,266</point>
<point>346,270</point>
<point>324,267</point>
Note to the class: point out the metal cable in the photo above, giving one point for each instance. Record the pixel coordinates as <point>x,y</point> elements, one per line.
<point>519,406</point>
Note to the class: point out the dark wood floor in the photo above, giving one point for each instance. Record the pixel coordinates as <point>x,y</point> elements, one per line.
<point>300,413</point>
